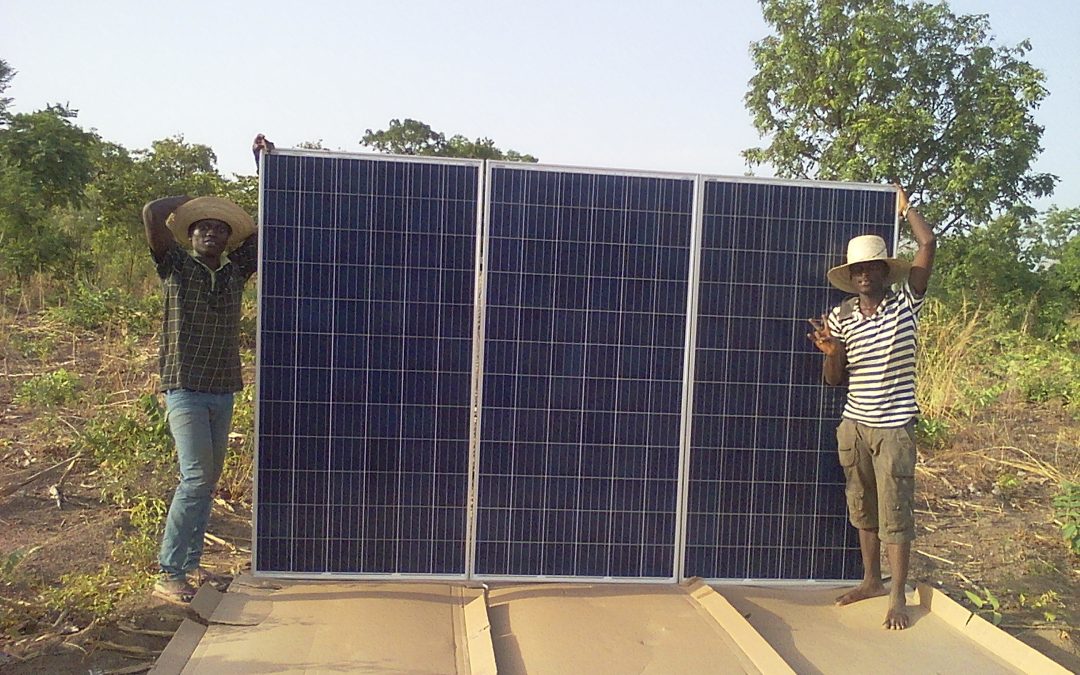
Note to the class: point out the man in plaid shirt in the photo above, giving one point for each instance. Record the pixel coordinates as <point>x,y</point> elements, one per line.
<point>199,362</point>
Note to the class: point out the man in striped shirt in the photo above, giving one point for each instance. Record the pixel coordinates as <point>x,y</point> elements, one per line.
<point>869,344</point>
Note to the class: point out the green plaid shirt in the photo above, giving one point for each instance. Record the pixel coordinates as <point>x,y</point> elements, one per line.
<point>200,334</point>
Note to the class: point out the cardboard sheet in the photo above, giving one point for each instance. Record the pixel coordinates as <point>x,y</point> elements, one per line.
<point>613,628</point>
<point>815,636</point>
<point>337,627</point>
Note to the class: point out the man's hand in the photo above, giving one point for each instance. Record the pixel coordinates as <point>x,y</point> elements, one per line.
<point>902,202</point>
<point>823,338</point>
<point>259,145</point>
<point>835,367</point>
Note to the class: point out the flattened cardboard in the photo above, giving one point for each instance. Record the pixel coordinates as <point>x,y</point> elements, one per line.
<point>480,651</point>
<point>608,628</point>
<point>180,648</point>
<point>357,627</point>
<point>986,634</point>
<point>234,608</point>
<point>245,581</point>
<point>760,652</point>
<point>813,634</point>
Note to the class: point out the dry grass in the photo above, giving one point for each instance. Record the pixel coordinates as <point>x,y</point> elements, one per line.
<point>953,342</point>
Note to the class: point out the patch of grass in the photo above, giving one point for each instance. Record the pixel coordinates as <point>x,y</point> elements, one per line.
<point>133,450</point>
<point>931,432</point>
<point>36,347</point>
<point>91,308</point>
<point>138,548</point>
<point>48,390</point>
<point>1007,485</point>
<point>952,342</point>
<point>1067,513</point>
<point>1041,370</point>
<point>93,596</point>
<point>11,564</point>
<point>235,482</point>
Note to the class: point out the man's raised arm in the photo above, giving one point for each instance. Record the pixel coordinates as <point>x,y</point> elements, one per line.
<point>154,216</point>
<point>923,263</point>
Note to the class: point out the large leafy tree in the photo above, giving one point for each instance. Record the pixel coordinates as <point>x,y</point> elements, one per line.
<point>886,90</point>
<point>412,137</point>
<point>171,166</point>
<point>46,161</point>
<point>6,73</point>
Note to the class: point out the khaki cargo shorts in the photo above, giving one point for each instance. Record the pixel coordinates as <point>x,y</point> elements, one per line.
<point>879,464</point>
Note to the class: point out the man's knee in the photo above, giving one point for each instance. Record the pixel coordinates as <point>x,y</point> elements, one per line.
<point>197,485</point>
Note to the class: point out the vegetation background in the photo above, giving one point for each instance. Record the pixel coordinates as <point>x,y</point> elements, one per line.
<point>86,461</point>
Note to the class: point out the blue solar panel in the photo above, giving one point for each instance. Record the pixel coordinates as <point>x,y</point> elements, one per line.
<point>604,448</point>
<point>584,343</point>
<point>366,305</point>
<point>766,497</point>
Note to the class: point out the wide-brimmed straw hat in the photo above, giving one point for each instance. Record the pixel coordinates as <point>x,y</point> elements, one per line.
<point>211,208</point>
<point>863,249</point>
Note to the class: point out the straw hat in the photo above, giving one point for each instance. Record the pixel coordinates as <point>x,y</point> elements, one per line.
<point>210,208</point>
<point>863,249</point>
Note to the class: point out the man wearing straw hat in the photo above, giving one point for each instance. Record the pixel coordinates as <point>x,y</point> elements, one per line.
<point>199,361</point>
<point>869,344</point>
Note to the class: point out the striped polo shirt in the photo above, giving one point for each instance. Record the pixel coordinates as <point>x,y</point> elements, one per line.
<point>880,358</point>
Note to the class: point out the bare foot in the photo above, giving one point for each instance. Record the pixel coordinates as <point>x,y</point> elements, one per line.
<point>897,618</point>
<point>862,592</point>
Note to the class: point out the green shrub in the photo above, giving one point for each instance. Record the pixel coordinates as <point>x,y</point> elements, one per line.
<point>931,432</point>
<point>49,389</point>
<point>91,308</point>
<point>133,450</point>
<point>1067,511</point>
<point>138,548</point>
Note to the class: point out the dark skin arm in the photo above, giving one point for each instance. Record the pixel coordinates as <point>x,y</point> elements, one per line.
<point>923,263</point>
<point>154,215</point>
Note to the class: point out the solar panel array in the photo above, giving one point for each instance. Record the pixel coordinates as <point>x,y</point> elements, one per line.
<point>647,404</point>
<point>367,301</point>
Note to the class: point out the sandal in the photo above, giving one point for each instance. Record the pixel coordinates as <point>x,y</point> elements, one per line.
<point>201,576</point>
<point>176,591</point>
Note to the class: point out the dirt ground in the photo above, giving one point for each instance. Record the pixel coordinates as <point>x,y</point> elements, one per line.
<point>984,511</point>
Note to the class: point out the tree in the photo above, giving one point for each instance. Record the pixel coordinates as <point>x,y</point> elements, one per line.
<point>413,137</point>
<point>883,90</point>
<point>171,166</point>
<point>45,163</point>
<point>1028,270</point>
<point>6,73</point>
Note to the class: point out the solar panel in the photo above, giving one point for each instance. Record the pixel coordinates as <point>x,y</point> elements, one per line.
<point>766,497</point>
<point>584,344</point>
<point>366,313</point>
<point>628,395</point>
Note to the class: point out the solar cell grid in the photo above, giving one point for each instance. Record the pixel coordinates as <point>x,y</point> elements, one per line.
<point>583,352</point>
<point>765,500</point>
<point>366,311</point>
<point>586,463</point>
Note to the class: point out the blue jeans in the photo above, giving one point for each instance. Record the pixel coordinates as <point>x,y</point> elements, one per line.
<point>200,428</point>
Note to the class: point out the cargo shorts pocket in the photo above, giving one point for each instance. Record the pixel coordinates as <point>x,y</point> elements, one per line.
<point>846,436</point>
<point>898,524</point>
<point>902,451</point>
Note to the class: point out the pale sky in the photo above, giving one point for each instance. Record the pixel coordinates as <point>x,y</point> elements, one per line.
<point>621,84</point>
